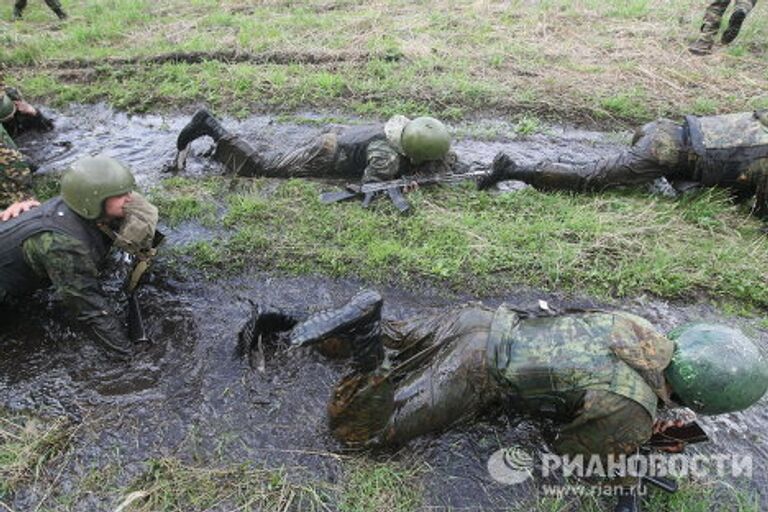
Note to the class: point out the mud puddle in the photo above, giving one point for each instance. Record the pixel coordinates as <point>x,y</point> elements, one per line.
<point>187,395</point>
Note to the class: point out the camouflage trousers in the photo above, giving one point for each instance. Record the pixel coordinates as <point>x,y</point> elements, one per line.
<point>314,160</point>
<point>656,151</point>
<point>439,378</point>
<point>713,16</point>
<point>55,5</point>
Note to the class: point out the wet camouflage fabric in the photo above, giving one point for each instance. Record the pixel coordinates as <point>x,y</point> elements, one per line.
<point>15,174</point>
<point>656,151</point>
<point>714,15</point>
<point>69,266</point>
<point>444,374</point>
<point>323,158</point>
<point>439,378</point>
<point>137,230</point>
<point>586,370</point>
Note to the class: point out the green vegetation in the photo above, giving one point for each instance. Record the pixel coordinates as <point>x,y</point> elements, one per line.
<point>386,56</point>
<point>616,244</point>
<point>27,444</point>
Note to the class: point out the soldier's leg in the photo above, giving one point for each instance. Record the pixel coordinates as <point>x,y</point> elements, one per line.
<point>55,6</point>
<point>709,28</point>
<point>18,8</point>
<point>312,160</point>
<point>741,9</point>
<point>446,383</point>
<point>655,152</point>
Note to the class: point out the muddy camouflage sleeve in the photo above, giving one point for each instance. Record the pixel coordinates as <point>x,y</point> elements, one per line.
<point>15,174</point>
<point>71,270</point>
<point>383,162</point>
<point>606,424</point>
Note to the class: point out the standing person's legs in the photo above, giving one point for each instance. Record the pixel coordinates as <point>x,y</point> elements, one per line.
<point>741,9</point>
<point>709,27</point>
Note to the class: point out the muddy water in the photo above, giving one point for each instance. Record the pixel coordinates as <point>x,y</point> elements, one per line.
<point>187,395</point>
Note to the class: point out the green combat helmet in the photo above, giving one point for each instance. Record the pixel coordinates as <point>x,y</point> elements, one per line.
<point>716,369</point>
<point>423,139</point>
<point>91,180</point>
<point>7,108</point>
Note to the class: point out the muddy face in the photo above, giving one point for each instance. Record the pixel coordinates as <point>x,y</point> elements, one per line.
<point>187,394</point>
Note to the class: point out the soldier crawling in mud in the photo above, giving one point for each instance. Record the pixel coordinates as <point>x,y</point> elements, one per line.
<point>602,376</point>
<point>401,147</point>
<point>728,151</point>
<point>711,25</point>
<point>16,116</point>
<point>55,6</point>
<point>64,241</point>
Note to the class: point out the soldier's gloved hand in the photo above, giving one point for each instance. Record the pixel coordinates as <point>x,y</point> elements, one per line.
<point>13,93</point>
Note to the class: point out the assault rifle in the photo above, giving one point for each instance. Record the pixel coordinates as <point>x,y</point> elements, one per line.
<point>671,437</point>
<point>136,330</point>
<point>368,192</point>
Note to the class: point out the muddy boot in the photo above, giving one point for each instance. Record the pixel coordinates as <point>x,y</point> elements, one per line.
<point>734,25</point>
<point>502,166</point>
<point>202,123</point>
<point>358,321</point>
<point>61,14</point>
<point>701,47</point>
<point>265,322</point>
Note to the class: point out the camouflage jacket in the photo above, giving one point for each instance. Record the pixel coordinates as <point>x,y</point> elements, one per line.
<point>68,264</point>
<point>599,375</point>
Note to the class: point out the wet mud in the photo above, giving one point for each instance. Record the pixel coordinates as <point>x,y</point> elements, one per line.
<point>188,394</point>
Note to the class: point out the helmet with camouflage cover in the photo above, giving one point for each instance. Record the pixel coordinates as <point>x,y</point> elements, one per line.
<point>422,139</point>
<point>91,180</point>
<point>715,369</point>
<point>7,108</point>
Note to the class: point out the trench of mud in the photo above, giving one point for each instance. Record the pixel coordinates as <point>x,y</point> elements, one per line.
<point>188,395</point>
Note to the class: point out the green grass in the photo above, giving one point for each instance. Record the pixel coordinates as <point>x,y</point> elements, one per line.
<point>27,445</point>
<point>611,245</point>
<point>385,487</point>
<point>613,61</point>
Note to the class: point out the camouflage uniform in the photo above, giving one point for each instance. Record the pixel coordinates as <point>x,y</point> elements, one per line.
<point>15,174</point>
<point>597,374</point>
<point>727,151</point>
<point>67,264</point>
<point>714,15</point>
<point>360,152</point>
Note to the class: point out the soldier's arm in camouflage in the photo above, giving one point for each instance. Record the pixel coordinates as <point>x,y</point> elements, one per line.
<point>138,228</point>
<point>71,270</point>
<point>383,162</point>
<point>606,424</point>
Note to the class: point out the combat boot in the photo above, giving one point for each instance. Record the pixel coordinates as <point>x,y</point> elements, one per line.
<point>60,13</point>
<point>734,25</point>
<point>701,47</point>
<point>502,166</point>
<point>358,322</point>
<point>202,123</point>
